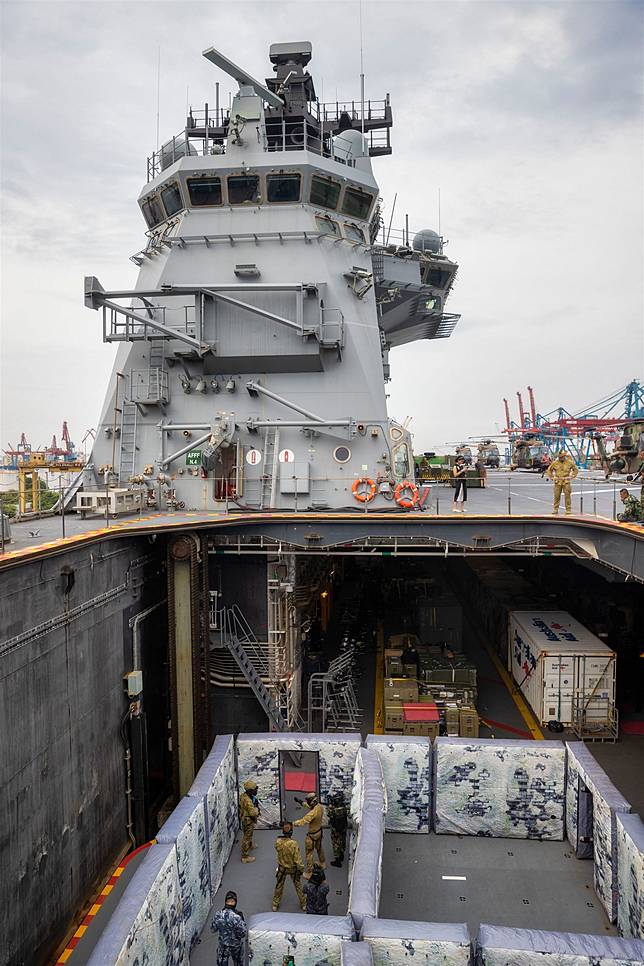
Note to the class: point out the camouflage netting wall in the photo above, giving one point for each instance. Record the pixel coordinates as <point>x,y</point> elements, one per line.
<point>258,758</point>
<point>163,909</point>
<point>630,875</point>
<point>368,807</point>
<point>406,767</point>
<point>147,925</point>
<point>504,946</point>
<point>311,940</point>
<point>356,954</point>
<point>186,829</point>
<point>582,769</point>
<point>395,942</point>
<point>216,783</point>
<point>509,789</point>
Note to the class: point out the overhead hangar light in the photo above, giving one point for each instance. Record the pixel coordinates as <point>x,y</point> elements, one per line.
<point>241,76</point>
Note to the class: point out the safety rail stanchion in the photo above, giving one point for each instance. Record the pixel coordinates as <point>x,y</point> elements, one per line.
<point>595,498</point>
<point>581,500</point>
<point>614,501</point>
<point>509,498</point>
<point>438,505</point>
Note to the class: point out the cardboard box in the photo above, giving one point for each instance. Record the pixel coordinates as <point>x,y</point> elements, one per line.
<point>421,729</point>
<point>393,667</point>
<point>393,652</point>
<point>452,721</point>
<point>393,716</point>
<point>402,690</point>
<point>469,723</point>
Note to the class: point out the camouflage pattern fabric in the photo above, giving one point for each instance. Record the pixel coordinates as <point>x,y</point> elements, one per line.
<point>317,903</point>
<point>232,932</point>
<point>337,815</point>
<point>248,813</point>
<point>289,863</point>
<point>633,511</point>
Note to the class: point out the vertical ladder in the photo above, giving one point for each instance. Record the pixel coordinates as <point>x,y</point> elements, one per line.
<point>156,361</point>
<point>269,477</point>
<point>127,457</point>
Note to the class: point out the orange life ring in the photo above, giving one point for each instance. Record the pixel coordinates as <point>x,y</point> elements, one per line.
<point>407,502</point>
<point>364,496</point>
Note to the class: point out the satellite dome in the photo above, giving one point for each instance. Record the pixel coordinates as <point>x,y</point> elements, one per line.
<point>349,145</point>
<point>427,240</point>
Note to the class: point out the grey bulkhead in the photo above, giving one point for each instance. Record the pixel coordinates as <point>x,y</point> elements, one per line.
<point>344,383</point>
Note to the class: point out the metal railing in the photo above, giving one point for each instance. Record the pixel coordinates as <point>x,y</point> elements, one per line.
<point>205,134</point>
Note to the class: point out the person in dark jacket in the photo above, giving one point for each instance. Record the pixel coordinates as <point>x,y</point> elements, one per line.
<point>316,891</point>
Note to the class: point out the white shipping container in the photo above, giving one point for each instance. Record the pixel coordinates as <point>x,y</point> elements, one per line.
<point>559,665</point>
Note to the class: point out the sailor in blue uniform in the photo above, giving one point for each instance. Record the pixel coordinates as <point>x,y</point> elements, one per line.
<point>232,929</point>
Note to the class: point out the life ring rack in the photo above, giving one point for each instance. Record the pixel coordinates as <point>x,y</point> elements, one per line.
<point>406,502</point>
<point>366,495</point>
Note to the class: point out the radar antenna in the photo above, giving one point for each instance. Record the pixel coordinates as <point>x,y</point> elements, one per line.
<point>242,77</point>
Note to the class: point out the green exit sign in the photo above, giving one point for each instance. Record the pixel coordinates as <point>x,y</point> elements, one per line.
<point>193,457</point>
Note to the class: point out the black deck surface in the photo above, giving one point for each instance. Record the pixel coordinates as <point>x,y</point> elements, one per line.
<point>508,882</point>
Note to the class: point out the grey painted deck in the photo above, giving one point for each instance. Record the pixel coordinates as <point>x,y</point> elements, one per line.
<point>254,886</point>
<point>508,882</point>
<point>521,492</point>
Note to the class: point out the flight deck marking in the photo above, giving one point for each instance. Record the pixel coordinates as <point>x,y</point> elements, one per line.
<point>455,878</point>
<point>100,899</point>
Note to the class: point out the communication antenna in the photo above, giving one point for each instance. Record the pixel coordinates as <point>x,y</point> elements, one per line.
<point>158,91</point>
<point>241,76</point>
<point>361,74</point>
<point>439,213</point>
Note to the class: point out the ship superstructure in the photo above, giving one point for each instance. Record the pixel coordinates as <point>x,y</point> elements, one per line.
<point>254,347</point>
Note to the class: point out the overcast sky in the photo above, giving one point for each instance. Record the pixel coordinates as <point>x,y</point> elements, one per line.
<point>528,117</point>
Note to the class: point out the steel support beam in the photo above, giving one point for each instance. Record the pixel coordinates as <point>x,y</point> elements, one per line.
<point>256,310</point>
<point>200,347</point>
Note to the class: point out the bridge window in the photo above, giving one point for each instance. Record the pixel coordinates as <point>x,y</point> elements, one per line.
<point>171,197</point>
<point>204,191</point>
<point>356,203</point>
<point>353,233</point>
<point>324,192</point>
<point>152,211</point>
<point>283,188</point>
<point>401,461</point>
<point>243,189</point>
<point>327,225</point>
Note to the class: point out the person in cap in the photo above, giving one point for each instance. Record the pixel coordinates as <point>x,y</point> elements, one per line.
<point>232,930</point>
<point>562,472</point>
<point>337,814</point>
<point>289,863</point>
<point>248,814</point>
<point>316,891</point>
<point>315,820</point>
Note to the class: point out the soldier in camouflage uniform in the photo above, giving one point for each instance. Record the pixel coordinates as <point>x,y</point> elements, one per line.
<point>633,511</point>
<point>315,820</point>
<point>336,812</point>
<point>232,931</point>
<point>248,814</point>
<point>289,862</point>
<point>562,472</point>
